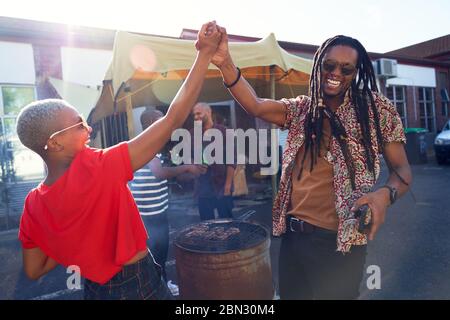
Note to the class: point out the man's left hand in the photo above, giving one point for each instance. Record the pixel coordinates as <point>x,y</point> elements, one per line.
<point>378,201</point>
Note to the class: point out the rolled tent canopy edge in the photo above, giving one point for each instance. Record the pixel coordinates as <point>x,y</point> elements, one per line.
<point>152,70</point>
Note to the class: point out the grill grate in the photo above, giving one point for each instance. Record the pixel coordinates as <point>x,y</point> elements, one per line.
<point>221,236</point>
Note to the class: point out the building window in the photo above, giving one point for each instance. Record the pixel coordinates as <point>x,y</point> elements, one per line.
<point>15,98</point>
<point>426,107</point>
<point>397,95</point>
<point>443,85</point>
<point>16,161</point>
<point>445,109</point>
<point>12,100</point>
<point>445,102</point>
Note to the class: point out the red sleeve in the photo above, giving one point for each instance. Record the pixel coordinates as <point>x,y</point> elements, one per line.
<point>116,160</point>
<point>25,228</point>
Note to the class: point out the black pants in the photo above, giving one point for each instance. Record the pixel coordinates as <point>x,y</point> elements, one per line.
<point>311,268</point>
<point>224,207</point>
<point>158,233</point>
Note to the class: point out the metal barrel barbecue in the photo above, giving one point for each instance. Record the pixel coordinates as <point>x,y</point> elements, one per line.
<point>224,259</point>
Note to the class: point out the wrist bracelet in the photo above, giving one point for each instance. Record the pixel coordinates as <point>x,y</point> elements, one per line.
<point>228,86</point>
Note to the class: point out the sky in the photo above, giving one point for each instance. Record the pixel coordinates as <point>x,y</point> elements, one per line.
<point>380,25</point>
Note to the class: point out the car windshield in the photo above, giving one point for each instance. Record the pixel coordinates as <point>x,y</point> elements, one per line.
<point>446,127</point>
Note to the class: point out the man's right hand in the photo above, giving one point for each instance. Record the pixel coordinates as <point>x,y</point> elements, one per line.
<point>208,38</point>
<point>222,55</point>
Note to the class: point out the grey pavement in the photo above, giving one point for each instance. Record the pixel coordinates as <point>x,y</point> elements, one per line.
<point>412,249</point>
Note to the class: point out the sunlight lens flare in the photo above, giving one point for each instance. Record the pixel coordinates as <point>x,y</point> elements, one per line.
<point>143,58</point>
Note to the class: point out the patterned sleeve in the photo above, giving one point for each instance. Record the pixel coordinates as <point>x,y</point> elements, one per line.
<point>294,106</point>
<point>390,122</point>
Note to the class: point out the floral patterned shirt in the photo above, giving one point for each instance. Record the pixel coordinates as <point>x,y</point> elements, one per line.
<point>391,129</point>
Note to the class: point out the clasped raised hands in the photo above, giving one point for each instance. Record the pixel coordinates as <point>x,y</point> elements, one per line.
<point>208,38</point>
<point>214,40</point>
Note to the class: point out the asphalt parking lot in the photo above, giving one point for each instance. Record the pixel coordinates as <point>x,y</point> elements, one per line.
<point>412,249</point>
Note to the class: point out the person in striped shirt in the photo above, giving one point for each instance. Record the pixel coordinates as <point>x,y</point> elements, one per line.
<point>151,193</point>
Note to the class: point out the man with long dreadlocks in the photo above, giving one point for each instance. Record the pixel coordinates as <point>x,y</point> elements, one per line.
<point>330,166</point>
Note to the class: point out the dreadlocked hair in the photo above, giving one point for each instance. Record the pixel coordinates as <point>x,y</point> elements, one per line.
<point>360,93</point>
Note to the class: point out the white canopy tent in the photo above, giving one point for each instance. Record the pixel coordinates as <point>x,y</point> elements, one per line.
<point>149,70</point>
<point>83,98</point>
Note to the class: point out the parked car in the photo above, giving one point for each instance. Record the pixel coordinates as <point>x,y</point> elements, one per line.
<point>442,144</point>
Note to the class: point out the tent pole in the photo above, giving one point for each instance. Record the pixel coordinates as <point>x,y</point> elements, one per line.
<point>273,137</point>
<point>130,122</point>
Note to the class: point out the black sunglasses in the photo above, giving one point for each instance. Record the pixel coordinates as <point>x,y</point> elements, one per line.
<point>330,65</point>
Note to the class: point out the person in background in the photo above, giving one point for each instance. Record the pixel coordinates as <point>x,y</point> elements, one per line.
<point>151,193</point>
<point>214,188</point>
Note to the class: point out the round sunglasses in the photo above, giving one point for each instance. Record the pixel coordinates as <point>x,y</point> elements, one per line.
<point>330,65</point>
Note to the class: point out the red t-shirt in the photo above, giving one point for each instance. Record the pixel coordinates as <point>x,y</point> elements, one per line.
<point>88,217</point>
